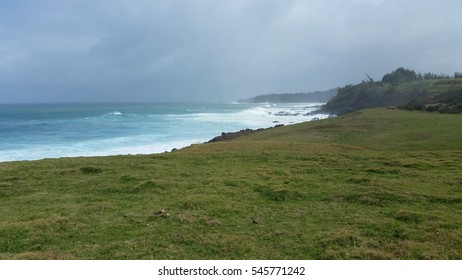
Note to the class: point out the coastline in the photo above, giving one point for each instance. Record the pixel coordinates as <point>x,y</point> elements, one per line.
<point>228,136</point>
<point>29,132</point>
<point>224,136</point>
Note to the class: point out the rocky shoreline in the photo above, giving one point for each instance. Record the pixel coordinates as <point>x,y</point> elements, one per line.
<point>227,136</point>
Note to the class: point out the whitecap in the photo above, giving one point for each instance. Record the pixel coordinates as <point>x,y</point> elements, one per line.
<point>148,132</point>
<point>261,116</point>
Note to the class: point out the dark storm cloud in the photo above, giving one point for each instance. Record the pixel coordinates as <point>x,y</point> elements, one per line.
<point>115,50</point>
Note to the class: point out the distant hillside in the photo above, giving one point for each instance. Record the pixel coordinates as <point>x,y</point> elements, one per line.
<point>403,88</point>
<point>312,97</point>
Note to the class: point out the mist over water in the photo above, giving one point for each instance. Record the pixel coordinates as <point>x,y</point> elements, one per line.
<point>29,132</point>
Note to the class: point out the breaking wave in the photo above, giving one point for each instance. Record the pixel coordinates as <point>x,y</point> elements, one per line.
<point>98,130</point>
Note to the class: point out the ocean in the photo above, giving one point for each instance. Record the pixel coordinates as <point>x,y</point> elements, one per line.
<point>37,131</point>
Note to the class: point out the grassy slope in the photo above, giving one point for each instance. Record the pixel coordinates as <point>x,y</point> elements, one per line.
<point>375,184</point>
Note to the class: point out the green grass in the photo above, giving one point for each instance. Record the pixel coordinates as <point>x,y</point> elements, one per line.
<point>375,184</point>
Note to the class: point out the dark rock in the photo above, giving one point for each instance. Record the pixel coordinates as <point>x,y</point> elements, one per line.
<point>226,136</point>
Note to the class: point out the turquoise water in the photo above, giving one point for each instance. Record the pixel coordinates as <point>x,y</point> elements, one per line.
<point>37,131</point>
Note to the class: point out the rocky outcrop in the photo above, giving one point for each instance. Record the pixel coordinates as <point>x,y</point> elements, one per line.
<point>226,136</point>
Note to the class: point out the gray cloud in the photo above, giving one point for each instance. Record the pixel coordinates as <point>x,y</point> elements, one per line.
<point>116,50</point>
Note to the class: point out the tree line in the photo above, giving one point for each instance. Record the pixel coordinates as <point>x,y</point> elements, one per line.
<point>402,75</point>
<point>402,87</point>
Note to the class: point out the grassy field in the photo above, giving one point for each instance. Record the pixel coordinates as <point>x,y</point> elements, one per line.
<point>374,184</point>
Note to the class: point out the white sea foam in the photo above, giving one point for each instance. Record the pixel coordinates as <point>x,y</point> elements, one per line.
<point>262,116</point>
<point>139,132</point>
<point>102,148</point>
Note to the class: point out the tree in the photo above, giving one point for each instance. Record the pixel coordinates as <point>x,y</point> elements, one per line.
<point>399,76</point>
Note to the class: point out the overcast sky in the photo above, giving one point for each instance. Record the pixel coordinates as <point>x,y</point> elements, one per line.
<point>215,50</point>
